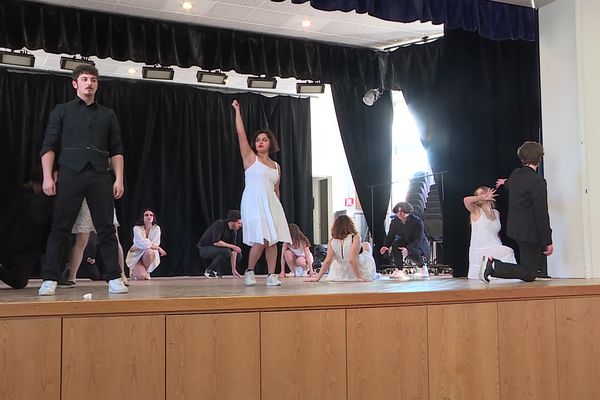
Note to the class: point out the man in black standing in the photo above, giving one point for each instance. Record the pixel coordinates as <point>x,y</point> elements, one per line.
<point>406,237</point>
<point>85,135</point>
<point>219,243</point>
<point>528,220</point>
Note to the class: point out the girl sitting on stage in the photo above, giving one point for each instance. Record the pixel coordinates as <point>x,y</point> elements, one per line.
<point>349,259</point>
<point>485,227</point>
<point>144,256</point>
<point>297,255</point>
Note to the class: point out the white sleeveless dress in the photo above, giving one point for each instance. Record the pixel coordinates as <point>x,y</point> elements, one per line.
<point>262,214</point>
<point>341,270</point>
<point>486,242</point>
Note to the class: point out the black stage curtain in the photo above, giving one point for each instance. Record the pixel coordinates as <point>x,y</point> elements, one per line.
<point>491,19</point>
<point>120,37</point>
<point>367,137</point>
<point>475,101</point>
<point>181,151</point>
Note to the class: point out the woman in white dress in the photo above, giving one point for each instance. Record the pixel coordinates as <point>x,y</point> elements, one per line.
<point>485,226</point>
<point>347,258</point>
<point>264,222</point>
<point>144,256</point>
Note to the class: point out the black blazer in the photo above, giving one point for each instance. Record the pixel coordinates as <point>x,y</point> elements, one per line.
<point>528,219</point>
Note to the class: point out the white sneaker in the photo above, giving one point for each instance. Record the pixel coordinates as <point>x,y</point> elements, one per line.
<point>249,278</point>
<point>116,286</point>
<point>48,288</point>
<point>273,280</point>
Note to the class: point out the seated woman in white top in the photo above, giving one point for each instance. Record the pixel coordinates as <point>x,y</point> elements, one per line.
<point>297,255</point>
<point>485,226</point>
<point>144,256</point>
<point>349,259</point>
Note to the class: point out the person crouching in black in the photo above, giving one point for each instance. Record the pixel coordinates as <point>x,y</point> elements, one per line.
<point>406,237</point>
<point>219,244</point>
<point>24,231</point>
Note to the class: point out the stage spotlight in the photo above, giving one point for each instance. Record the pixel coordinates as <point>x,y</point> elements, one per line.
<point>262,83</point>
<point>371,96</point>
<point>71,63</point>
<point>21,58</point>
<point>158,73</point>
<point>216,78</point>
<point>310,87</point>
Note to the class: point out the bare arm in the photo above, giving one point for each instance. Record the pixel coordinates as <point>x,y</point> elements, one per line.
<point>248,155</point>
<point>284,248</point>
<point>470,201</point>
<point>48,184</point>
<point>277,184</point>
<point>325,266</point>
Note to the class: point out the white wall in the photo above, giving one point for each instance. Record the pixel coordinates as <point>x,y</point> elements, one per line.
<point>570,62</point>
<point>328,155</point>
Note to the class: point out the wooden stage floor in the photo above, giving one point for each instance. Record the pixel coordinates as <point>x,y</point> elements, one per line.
<point>199,294</point>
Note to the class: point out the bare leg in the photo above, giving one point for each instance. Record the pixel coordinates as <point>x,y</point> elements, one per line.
<point>301,262</point>
<point>121,256</point>
<point>290,260</point>
<point>81,240</point>
<point>255,253</point>
<point>139,271</point>
<point>271,254</point>
<point>148,259</point>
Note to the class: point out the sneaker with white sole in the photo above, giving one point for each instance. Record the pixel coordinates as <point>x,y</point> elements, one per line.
<point>116,286</point>
<point>273,280</point>
<point>249,278</point>
<point>48,288</point>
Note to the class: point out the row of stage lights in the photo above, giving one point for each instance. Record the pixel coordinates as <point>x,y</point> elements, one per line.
<point>24,59</point>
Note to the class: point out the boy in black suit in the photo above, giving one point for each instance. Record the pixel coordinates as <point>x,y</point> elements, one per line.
<point>528,220</point>
<point>83,135</point>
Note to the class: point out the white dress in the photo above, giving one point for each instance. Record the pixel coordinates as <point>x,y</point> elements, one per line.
<point>341,270</point>
<point>262,214</point>
<point>141,242</point>
<point>486,242</point>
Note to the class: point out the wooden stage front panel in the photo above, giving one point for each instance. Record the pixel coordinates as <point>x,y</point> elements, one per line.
<point>195,338</point>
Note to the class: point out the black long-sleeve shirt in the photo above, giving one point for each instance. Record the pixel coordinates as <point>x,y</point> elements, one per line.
<point>218,230</point>
<point>409,234</point>
<point>82,134</point>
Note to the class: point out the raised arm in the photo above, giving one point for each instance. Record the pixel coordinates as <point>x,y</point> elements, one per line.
<point>248,155</point>
<point>470,201</point>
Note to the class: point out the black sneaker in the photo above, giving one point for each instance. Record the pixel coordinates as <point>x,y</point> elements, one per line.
<point>209,273</point>
<point>66,284</point>
<point>486,269</point>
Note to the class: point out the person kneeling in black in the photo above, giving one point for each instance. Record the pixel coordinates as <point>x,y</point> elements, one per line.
<point>219,244</point>
<point>406,237</point>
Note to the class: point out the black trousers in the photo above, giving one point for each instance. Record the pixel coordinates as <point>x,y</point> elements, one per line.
<point>72,187</point>
<point>532,259</point>
<point>397,255</point>
<point>219,257</point>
